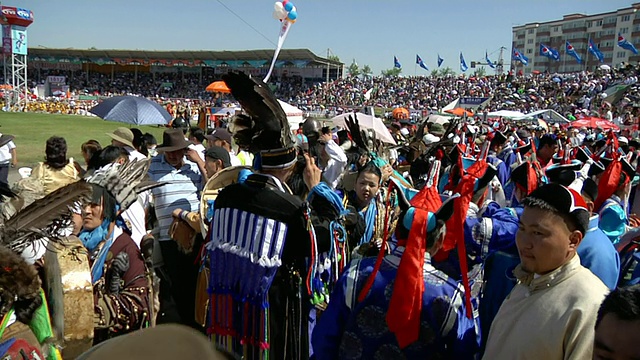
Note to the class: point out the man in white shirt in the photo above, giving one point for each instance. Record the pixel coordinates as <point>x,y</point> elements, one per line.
<point>123,137</point>
<point>7,156</point>
<point>196,136</point>
<point>333,160</point>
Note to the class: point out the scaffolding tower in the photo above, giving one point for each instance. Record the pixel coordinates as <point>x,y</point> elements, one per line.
<point>14,23</point>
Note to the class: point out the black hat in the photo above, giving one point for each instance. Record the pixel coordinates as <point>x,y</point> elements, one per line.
<point>525,177</point>
<point>488,175</point>
<point>218,153</point>
<point>524,149</point>
<point>590,188</point>
<point>172,140</point>
<point>600,143</point>
<point>583,154</point>
<point>563,200</point>
<point>628,169</point>
<point>553,171</point>
<point>498,138</point>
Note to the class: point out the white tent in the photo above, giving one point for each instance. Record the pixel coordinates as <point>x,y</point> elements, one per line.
<point>506,114</point>
<point>367,122</point>
<point>547,115</point>
<point>294,115</point>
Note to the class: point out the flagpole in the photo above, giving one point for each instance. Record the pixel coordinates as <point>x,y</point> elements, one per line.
<point>586,58</point>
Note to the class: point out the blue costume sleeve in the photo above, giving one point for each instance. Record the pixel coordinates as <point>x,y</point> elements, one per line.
<point>327,333</point>
<point>503,173</point>
<point>613,221</point>
<point>466,345</point>
<point>494,231</point>
<point>600,256</point>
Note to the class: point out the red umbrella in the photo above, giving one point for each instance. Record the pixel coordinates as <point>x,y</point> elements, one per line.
<point>593,122</point>
<point>459,112</point>
<point>218,86</point>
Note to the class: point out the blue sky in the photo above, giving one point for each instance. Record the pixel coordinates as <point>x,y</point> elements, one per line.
<point>370,31</point>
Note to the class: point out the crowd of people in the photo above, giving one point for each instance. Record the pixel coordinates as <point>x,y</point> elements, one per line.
<point>463,241</point>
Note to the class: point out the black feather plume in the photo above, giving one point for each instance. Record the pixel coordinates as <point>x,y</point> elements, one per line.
<point>268,128</point>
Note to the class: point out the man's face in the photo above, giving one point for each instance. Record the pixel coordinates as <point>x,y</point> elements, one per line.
<point>174,158</point>
<point>547,151</point>
<point>212,166</point>
<point>616,339</point>
<point>544,241</point>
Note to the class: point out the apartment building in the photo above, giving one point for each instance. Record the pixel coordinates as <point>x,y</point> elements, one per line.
<point>602,28</point>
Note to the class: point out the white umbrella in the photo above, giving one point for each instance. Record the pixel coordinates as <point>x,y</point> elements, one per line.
<point>605,67</point>
<point>367,122</point>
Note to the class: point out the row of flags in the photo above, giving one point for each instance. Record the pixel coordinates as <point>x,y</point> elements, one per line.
<point>545,50</point>
<point>554,54</point>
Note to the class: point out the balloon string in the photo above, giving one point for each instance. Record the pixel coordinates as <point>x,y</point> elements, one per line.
<point>284,30</point>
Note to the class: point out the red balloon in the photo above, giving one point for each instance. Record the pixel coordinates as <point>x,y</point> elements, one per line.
<point>284,2</point>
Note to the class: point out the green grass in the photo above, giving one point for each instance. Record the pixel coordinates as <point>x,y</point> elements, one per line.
<point>32,130</point>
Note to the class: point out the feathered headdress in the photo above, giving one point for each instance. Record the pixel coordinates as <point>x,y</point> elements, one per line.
<point>265,129</point>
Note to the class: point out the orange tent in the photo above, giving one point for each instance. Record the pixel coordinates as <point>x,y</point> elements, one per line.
<point>400,113</point>
<point>218,86</point>
<point>459,112</point>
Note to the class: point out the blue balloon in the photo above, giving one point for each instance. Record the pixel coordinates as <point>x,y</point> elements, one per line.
<point>293,15</point>
<point>288,6</point>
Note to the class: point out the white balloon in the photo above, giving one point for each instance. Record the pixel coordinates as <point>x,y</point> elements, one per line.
<point>278,6</point>
<point>279,12</point>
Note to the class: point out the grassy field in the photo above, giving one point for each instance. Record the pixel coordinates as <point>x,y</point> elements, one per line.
<point>32,130</point>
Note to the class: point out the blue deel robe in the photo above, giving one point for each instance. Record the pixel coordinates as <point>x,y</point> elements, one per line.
<point>504,172</point>
<point>598,254</point>
<point>352,330</point>
<point>613,218</point>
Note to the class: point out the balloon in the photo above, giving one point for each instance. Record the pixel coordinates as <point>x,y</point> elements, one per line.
<point>293,14</point>
<point>288,6</point>
<point>284,2</point>
<point>279,12</point>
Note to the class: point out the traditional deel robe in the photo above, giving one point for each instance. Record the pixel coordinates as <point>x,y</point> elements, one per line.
<point>262,257</point>
<point>598,254</point>
<point>551,316</point>
<point>504,172</point>
<point>613,218</point>
<point>121,295</point>
<point>349,329</point>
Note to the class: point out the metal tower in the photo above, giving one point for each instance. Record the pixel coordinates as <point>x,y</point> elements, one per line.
<point>14,50</point>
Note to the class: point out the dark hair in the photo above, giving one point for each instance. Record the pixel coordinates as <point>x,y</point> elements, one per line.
<point>150,139</point>
<point>106,156</point>
<point>56,152</point>
<point>197,133</point>
<point>138,141</point>
<point>90,147</point>
<point>547,139</point>
<point>543,205</point>
<point>370,168</point>
<point>623,303</point>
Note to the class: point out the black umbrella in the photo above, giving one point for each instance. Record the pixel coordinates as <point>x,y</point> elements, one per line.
<point>132,110</point>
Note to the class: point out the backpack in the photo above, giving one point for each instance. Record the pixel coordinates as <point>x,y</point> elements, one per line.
<point>629,259</point>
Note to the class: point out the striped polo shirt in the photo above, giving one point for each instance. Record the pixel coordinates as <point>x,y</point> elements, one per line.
<point>181,191</point>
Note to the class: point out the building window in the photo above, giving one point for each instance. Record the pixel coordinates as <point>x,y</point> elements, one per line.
<point>610,20</point>
<point>588,24</point>
<point>624,30</point>
<point>529,51</point>
<point>555,28</point>
<point>620,54</point>
<point>599,23</point>
<point>626,18</point>
<point>530,41</point>
<point>530,31</point>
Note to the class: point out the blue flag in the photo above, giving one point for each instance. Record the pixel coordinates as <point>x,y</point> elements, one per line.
<point>572,52</point>
<point>420,62</point>
<point>491,65</point>
<point>595,51</point>
<point>549,52</point>
<point>396,63</point>
<point>625,44</point>
<point>517,55</point>
<point>440,60</point>
<point>463,64</point>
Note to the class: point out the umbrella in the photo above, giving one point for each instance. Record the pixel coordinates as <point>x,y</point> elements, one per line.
<point>605,67</point>
<point>218,86</point>
<point>438,119</point>
<point>400,113</point>
<point>459,112</point>
<point>132,110</point>
<point>506,114</point>
<point>593,122</point>
<point>367,122</point>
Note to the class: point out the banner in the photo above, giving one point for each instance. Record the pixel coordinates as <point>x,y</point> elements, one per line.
<point>472,101</point>
<point>7,44</point>
<point>57,79</point>
<point>19,39</point>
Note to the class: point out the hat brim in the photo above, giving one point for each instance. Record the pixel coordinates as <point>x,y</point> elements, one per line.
<point>5,139</point>
<point>120,139</point>
<point>163,148</point>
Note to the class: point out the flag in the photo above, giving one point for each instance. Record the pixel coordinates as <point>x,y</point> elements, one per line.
<point>572,52</point>
<point>440,60</point>
<point>463,64</point>
<point>396,63</point>
<point>421,63</point>
<point>517,55</point>
<point>595,51</point>
<point>491,65</point>
<point>549,52</point>
<point>625,44</point>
